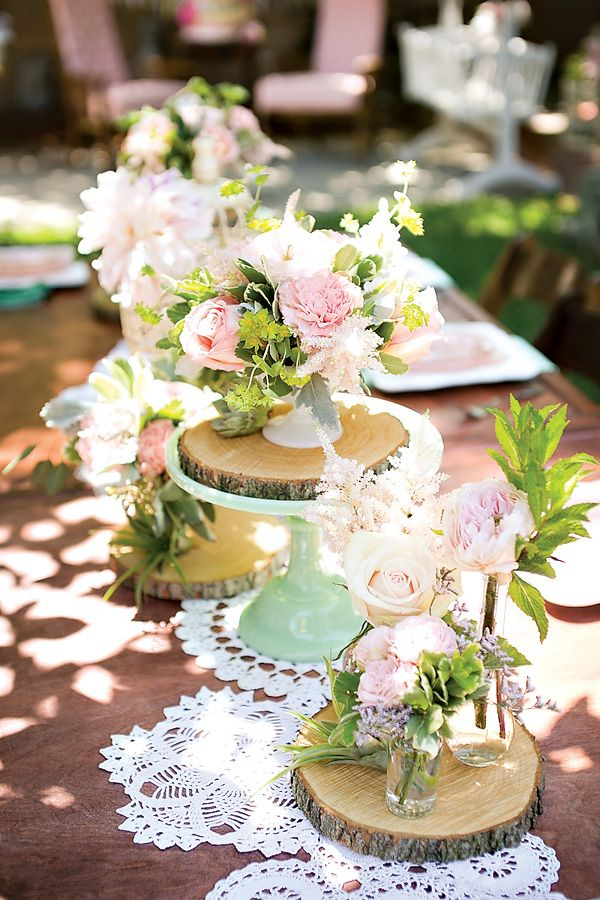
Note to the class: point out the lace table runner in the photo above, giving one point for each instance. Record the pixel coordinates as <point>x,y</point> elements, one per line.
<point>193,779</point>
<point>208,629</point>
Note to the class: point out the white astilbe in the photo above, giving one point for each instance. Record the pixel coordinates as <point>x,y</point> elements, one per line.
<point>340,357</point>
<point>403,499</point>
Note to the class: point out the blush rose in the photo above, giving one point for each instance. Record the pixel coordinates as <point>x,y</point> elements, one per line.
<point>385,682</point>
<point>411,346</point>
<point>481,522</point>
<point>414,634</point>
<point>210,335</point>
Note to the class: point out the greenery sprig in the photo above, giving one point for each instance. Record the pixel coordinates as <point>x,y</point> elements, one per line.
<point>528,441</point>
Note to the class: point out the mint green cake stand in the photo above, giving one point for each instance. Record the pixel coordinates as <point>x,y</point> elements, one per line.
<point>304,614</point>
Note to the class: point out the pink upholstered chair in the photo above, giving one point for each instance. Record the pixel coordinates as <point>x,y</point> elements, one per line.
<point>346,49</point>
<point>96,80</point>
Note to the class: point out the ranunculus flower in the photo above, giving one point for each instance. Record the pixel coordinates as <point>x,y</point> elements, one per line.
<point>414,634</point>
<point>316,305</point>
<point>151,451</point>
<point>391,576</point>
<point>410,346</point>
<point>373,646</point>
<point>210,335</point>
<point>481,522</point>
<point>385,682</point>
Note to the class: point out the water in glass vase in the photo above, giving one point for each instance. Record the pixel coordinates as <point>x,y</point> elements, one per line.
<point>412,780</point>
<point>480,740</point>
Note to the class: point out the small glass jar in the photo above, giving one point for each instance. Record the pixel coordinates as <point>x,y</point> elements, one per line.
<point>482,732</point>
<point>412,780</point>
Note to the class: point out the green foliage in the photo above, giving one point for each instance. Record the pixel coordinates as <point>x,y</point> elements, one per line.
<point>528,439</point>
<point>247,397</point>
<point>316,397</point>
<point>393,364</point>
<point>414,317</point>
<point>159,531</point>
<point>148,315</point>
<point>259,328</point>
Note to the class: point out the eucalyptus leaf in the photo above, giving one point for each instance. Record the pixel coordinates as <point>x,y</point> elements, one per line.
<point>316,397</point>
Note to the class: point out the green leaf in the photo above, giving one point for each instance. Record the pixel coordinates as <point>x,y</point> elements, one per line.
<point>316,397</point>
<point>178,311</point>
<point>531,602</point>
<point>148,315</point>
<point>517,658</point>
<point>344,691</point>
<point>345,258</point>
<point>8,468</point>
<point>505,436</point>
<point>392,364</point>
<point>253,275</point>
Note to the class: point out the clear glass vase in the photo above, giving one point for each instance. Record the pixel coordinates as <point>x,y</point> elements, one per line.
<point>412,780</point>
<point>480,739</point>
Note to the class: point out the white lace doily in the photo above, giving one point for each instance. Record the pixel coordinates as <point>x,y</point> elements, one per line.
<point>193,779</point>
<point>208,630</point>
<point>334,872</point>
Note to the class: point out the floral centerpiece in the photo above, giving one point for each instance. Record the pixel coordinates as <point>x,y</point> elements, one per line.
<point>204,131</point>
<point>116,436</point>
<point>303,312</point>
<point>419,658</point>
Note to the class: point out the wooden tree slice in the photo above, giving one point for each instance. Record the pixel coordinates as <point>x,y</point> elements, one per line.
<point>254,467</point>
<point>248,549</point>
<point>478,810</point>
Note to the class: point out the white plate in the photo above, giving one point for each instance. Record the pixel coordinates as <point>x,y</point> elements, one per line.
<point>76,274</point>
<point>471,353</point>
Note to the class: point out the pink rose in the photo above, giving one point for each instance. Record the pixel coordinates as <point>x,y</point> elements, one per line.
<point>316,305</point>
<point>226,148</point>
<point>385,682</point>
<point>374,646</point>
<point>210,335</point>
<point>410,346</point>
<point>240,118</point>
<point>413,635</point>
<point>151,451</point>
<point>481,522</point>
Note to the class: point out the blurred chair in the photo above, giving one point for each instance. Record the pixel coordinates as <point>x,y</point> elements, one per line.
<point>491,82</point>
<point>526,269</point>
<point>95,77</point>
<point>571,337</point>
<point>347,48</point>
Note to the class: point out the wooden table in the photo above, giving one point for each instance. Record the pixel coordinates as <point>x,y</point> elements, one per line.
<point>75,670</point>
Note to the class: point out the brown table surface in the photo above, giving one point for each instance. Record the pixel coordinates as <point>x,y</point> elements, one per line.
<point>75,670</point>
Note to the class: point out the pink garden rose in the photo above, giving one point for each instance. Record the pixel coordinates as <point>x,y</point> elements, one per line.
<point>410,346</point>
<point>391,576</point>
<point>240,118</point>
<point>385,682</point>
<point>412,635</point>
<point>149,140</point>
<point>225,145</point>
<point>151,451</point>
<point>374,646</point>
<point>481,522</point>
<point>210,335</point>
<point>316,305</point>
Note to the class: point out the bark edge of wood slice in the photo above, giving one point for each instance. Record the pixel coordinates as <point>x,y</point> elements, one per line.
<point>251,466</point>
<point>248,550</point>
<point>478,810</point>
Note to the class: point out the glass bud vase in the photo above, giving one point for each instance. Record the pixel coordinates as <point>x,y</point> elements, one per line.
<point>482,733</point>
<point>412,780</point>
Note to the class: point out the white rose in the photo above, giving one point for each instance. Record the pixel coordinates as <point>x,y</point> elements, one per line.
<point>390,576</point>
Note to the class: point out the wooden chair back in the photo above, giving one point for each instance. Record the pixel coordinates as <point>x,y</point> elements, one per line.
<point>88,41</point>
<point>571,337</point>
<point>526,269</point>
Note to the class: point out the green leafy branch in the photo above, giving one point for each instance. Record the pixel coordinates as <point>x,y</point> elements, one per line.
<point>529,440</point>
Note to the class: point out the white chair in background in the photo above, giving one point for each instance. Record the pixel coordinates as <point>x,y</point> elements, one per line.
<point>490,82</point>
